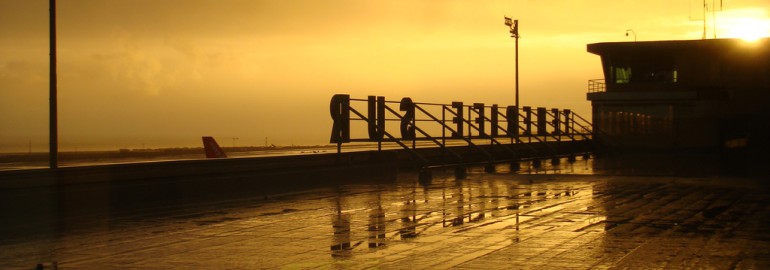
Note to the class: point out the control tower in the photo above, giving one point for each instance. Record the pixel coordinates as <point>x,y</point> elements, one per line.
<point>703,95</point>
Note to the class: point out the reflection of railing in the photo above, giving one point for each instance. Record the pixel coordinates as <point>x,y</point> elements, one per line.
<point>596,86</point>
<point>442,125</point>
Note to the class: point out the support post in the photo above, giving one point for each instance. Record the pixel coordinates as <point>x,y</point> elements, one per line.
<point>568,129</point>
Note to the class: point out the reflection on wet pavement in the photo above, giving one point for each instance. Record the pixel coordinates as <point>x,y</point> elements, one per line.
<point>488,221</point>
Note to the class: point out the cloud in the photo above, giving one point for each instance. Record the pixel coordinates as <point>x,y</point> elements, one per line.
<point>141,66</point>
<point>22,73</point>
<point>134,71</point>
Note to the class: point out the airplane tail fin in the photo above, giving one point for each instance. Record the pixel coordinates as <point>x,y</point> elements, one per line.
<point>212,148</point>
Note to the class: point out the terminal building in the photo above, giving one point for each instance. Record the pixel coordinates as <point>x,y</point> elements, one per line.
<point>690,95</point>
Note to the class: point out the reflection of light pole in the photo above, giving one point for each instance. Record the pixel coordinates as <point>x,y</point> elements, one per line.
<point>234,138</point>
<point>514,25</point>
<point>632,32</point>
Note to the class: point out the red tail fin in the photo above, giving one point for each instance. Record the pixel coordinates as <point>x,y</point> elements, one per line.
<point>212,148</point>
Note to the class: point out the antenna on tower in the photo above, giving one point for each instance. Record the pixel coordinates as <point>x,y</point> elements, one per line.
<point>713,9</point>
<point>714,15</point>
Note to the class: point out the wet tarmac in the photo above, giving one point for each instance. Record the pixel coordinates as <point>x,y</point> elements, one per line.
<point>566,218</point>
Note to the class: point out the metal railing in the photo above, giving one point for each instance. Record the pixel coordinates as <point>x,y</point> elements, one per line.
<point>442,125</point>
<point>596,86</point>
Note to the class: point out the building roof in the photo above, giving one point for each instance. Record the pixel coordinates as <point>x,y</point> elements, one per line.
<point>661,46</point>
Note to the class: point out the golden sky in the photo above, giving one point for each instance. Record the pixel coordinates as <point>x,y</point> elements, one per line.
<point>162,73</point>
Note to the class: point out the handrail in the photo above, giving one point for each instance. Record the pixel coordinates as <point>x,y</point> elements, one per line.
<point>492,138</point>
<point>444,125</point>
<point>390,136</point>
<point>517,138</point>
<point>597,86</point>
<point>425,133</point>
<point>469,123</point>
<point>537,137</point>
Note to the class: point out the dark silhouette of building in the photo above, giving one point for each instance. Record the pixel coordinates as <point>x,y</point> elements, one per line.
<point>693,95</point>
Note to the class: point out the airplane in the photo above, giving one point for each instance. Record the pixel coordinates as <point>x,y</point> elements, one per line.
<point>212,148</point>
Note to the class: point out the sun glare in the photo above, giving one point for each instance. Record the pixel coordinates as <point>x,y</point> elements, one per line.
<point>749,26</point>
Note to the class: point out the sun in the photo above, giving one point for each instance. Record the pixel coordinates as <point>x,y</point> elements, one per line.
<point>748,29</point>
<point>749,26</point>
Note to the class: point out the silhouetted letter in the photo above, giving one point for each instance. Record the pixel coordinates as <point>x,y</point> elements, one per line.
<point>567,114</point>
<point>458,120</point>
<point>407,127</point>
<point>512,117</point>
<point>340,111</point>
<point>495,124</point>
<point>376,121</point>
<point>527,120</point>
<point>556,122</point>
<point>541,121</point>
<point>479,107</point>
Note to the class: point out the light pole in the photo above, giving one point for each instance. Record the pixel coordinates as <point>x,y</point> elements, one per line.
<point>514,30</point>
<point>53,122</point>
<point>632,32</point>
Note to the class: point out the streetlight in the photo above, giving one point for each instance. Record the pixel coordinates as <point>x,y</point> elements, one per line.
<point>632,32</point>
<point>514,30</point>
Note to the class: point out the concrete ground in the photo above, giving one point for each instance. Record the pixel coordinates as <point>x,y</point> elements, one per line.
<point>488,221</point>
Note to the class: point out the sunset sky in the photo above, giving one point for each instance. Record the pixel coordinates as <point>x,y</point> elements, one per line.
<point>163,73</point>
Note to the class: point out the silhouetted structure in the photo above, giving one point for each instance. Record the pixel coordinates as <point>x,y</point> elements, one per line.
<point>458,134</point>
<point>706,95</point>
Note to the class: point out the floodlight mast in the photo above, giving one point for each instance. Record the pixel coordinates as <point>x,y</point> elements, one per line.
<point>514,30</point>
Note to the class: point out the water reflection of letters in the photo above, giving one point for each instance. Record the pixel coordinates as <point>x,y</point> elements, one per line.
<point>409,218</point>
<point>341,236</point>
<point>341,225</point>
<point>386,218</point>
<point>376,228</point>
